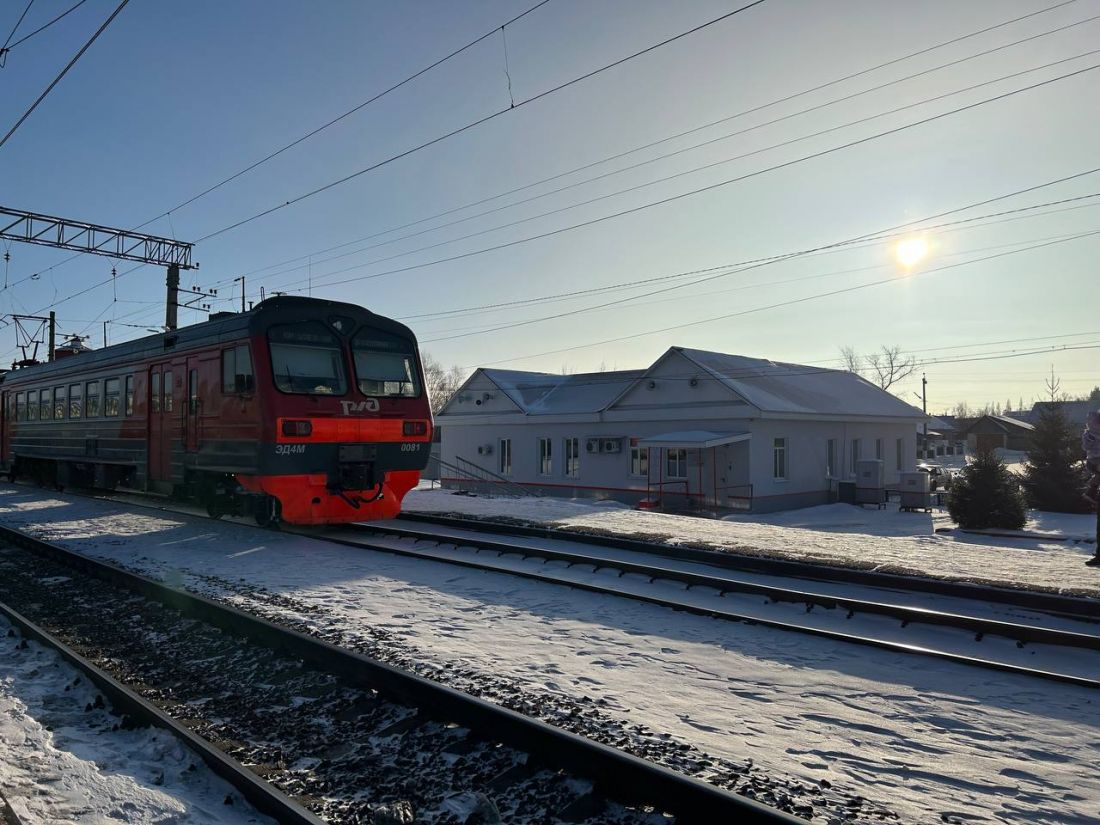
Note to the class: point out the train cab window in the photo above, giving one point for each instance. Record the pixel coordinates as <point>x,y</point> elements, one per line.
<point>112,388</point>
<point>20,407</point>
<point>154,393</point>
<point>385,365</point>
<point>60,403</point>
<point>237,377</point>
<point>45,405</point>
<point>307,358</point>
<point>91,399</point>
<point>32,405</point>
<point>129,395</point>
<point>193,391</point>
<point>168,391</point>
<point>76,400</point>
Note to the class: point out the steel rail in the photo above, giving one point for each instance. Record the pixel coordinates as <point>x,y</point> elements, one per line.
<point>1073,606</point>
<point>616,774</point>
<point>724,613</point>
<point>263,796</point>
<point>906,613</point>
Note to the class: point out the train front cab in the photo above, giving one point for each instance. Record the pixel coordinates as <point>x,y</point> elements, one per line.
<point>347,423</point>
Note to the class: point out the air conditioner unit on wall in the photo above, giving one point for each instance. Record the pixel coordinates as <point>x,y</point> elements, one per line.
<point>485,449</point>
<point>591,445</point>
<point>611,445</point>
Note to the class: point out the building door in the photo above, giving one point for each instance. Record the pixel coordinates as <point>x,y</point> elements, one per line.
<point>193,405</point>
<point>160,422</point>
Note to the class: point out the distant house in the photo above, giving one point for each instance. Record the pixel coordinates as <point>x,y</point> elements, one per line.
<point>942,439</point>
<point>990,432</point>
<point>695,429</point>
<point>1076,412</point>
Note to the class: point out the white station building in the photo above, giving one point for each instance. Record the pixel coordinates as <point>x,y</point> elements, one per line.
<point>696,429</point>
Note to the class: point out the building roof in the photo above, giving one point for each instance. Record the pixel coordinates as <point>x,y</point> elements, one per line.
<point>772,386</point>
<point>1077,412</point>
<point>769,386</point>
<point>694,439</point>
<point>1003,422</point>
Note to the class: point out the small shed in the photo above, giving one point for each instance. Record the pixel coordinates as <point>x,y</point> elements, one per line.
<point>991,432</point>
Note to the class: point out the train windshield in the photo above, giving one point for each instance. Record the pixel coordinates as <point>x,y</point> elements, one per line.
<point>385,365</point>
<point>306,358</point>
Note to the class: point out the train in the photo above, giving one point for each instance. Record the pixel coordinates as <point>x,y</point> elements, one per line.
<point>300,410</point>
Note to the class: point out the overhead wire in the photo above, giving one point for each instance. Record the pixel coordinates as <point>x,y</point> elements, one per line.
<point>678,135</point>
<point>63,72</point>
<point>42,28</point>
<point>15,28</point>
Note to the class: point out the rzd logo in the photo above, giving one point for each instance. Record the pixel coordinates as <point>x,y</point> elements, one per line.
<point>353,407</point>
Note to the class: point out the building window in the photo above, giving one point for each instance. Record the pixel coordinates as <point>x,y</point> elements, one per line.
<point>830,458</point>
<point>879,454</point>
<point>900,453</point>
<point>60,402</point>
<point>676,463</point>
<point>76,405</point>
<point>237,370</point>
<point>505,456</point>
<point>111,390</point>
<point>46,405</point>
<point>572,456</point>
<point>129,395</point>
<point>855,456</point>
<point>168,391</point>
<point>20,407</point>
<point>779,459</point>
<point>32,405</point>
<point>91,399</point>
<point>546,456</point>
<point>639,461</point>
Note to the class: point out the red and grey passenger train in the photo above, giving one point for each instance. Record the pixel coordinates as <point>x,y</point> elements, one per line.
<point>300,410</point>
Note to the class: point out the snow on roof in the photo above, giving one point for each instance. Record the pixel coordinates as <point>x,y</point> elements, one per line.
<point>772,386</point>
<point>1005,421</point>
<point>767,385</point>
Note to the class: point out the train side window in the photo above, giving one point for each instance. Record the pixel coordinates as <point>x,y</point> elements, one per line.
<point>154,393</point>
<point>32,405</point>
<point>112,388</point>
<point>237,374</point>
<point>45,405</point>
<point>60,403</point>
<point>129,395</point>
<point>168,391</point>
<point>20,407</point>
<point>76,400</point>
<point>193,391</point>
<point>91,399</point>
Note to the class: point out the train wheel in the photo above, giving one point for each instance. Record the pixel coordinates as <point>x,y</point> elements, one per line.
<point>269,512</point>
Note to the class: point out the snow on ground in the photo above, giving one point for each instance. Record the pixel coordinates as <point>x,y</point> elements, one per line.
<point>838,534</point>
<point>60,760</point>
<point>935,741</point>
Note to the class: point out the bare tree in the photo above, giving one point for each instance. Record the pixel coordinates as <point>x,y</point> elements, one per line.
<point>853,361</point>
<point>442,383</point>
<point>962,410</point>
<point>889,365</point>
<point>1053,385</point>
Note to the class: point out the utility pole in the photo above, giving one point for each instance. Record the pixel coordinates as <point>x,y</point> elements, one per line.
<point>105,334</point>
<point>53,336</point>
<point>241,279</point>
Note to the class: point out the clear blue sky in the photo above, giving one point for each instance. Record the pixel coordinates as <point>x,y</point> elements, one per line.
<point>174,97</point>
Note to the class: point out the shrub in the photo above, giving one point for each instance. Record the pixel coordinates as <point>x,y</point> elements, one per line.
<point>986,494</point>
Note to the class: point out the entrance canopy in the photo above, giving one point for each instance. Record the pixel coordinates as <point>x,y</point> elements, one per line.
<point>693,439</point>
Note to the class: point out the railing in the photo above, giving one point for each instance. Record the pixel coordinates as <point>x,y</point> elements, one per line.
<point>481,479</point>
<point>735,496</point>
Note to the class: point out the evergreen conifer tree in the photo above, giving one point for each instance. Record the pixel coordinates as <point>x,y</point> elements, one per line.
<point>987,494</point>
<point>1054,478</point>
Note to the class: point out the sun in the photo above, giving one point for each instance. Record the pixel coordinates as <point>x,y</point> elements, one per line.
<point>911,251</point>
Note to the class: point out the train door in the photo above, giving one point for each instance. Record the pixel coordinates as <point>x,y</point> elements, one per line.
<point>160,422</point>
<point>193,405</point>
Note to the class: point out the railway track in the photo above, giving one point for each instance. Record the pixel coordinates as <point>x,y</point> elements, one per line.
<point>349,738</point>
<point>1069,655</point>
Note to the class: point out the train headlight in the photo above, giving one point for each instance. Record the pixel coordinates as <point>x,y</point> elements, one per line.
<point>414,428</point>
<point>297,428</point>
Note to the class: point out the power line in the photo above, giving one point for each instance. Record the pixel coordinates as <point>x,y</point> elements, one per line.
<point>64,71</point>
<point>478,122</point>
<point>41,29</point>
<point>346,114</point>
<point>677,152</point>
<point>678,175</point>
<point>717,185</point>
<point>802,300</point>
<point>15,28</point>
<point>678,135</point>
